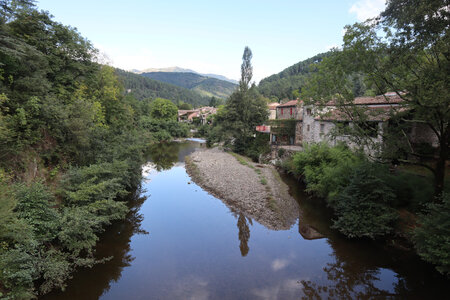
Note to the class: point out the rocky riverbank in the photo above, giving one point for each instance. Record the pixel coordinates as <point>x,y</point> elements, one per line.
<point>255,190</point>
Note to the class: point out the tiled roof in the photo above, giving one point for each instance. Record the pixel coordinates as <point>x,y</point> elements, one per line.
<point>289,103</point>
<point>388,98</point>
<point>378,113</point>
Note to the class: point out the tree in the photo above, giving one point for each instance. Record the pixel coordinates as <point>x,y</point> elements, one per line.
<point>185,106</point>
<point>405,50</point>
<point>245,108</point>
<point>163,109</point>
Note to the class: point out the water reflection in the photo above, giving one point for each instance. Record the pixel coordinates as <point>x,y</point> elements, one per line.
<point>191,252</point>
<point>362,269</point>
<point>166,155</point>
<point>244,234</point>
<point>115,244</point>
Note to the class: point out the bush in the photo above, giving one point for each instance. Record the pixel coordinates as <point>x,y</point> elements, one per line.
<point>259,145</point>
<point>432,236</point>
<point>326,170</point>
<point>363,207</point>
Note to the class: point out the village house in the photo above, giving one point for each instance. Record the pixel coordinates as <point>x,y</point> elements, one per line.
<point>319,123</point>
<point>201,114</point>
<point>297,124</point>
<point>287,128</point>
<point>273,110</point>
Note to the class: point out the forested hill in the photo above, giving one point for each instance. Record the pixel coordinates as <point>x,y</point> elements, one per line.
<point>283,84</point>
<point>143,87</point>
<point>206,86</point>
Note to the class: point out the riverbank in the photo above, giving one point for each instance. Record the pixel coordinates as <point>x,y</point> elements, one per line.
<point>253,189</point>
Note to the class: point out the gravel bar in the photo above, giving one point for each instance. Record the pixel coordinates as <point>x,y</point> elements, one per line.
<point>255,190</point>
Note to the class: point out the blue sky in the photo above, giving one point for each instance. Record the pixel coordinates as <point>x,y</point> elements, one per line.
<point>210,36</point>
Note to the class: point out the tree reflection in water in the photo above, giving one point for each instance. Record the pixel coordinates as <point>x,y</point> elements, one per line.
<point>244,234</point>
<point>115,244</point>
<point>360,270</point>
<point>164,155</point>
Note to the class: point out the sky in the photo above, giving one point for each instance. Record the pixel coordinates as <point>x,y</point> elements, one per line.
<point>209,36</point>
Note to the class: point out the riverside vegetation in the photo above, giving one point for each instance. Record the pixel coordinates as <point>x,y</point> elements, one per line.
<point>367,199</point>
<point>71,145</point>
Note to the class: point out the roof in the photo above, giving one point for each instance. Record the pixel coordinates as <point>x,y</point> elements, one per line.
<point>388,98</point>
<point>273,105</point>
<point>374,113</point>
<point>289,103</point>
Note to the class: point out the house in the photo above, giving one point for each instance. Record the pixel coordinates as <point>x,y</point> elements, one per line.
<point>200,114</point>
<point>273,110</point>
<point>319,122</point>
<point>287,128</point>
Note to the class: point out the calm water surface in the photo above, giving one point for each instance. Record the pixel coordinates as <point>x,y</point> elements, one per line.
<point>179,242</point>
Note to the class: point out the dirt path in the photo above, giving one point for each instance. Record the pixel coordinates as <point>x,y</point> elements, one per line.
<point>252,189</point>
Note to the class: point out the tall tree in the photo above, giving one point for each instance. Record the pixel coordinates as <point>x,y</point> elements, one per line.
<point>245,108</point>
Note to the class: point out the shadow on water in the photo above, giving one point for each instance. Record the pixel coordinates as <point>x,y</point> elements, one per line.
<point>362,267</point>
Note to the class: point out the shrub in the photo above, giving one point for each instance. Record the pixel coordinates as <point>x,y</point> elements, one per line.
<point>35,207</point>
<point>326,170</point>
<point>432,237</point>
<point>363,207</point>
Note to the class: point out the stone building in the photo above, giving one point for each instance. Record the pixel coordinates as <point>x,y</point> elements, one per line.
<point>201,114</point>
<point>287,129</point>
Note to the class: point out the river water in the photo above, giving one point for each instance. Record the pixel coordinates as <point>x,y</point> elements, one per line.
<point>179,242</point>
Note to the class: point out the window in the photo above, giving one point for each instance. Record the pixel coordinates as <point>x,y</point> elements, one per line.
<point>322,129</point>
<point>290,111</point>
<point>307,128</point>
<point>281,111</point>
<point>308,111</point>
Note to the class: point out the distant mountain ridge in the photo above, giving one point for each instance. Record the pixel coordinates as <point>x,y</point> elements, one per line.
<point>182,70</point>
<point>143,87</point>
<point>203,85</point>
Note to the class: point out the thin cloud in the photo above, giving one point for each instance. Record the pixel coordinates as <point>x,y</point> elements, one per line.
<point>365,9</point>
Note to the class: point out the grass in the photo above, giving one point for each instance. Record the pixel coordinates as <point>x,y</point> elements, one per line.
<point>271,203</point>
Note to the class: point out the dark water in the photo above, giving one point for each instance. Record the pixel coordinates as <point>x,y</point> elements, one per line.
<point>179,242</point>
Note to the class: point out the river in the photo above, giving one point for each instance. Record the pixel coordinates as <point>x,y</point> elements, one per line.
<point>179,242</point>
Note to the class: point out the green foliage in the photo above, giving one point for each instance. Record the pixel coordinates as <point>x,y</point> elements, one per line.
<point>325,170</point>
<point>203,85</point>
<point>143,88</point>
<point>163,109</point>
<point>164,130</point>
<point>259,145</point>
<point>185,106</point>
<point>71,146</point>
<point>245,109</point>
<point>431,237</point>
<point>405,50</point>
<point>34,205</point>
<point>290,81</point>
<point>363,207</point>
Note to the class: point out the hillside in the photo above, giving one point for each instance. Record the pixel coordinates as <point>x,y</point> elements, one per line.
<point>143,87</point>
<point>205,86</point>
<point>282,85</point>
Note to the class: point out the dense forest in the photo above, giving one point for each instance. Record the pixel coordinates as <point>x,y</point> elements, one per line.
<point>289,82</point>
<point>143,87</point>
<point>206,86</point>
<point>71,144</point>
